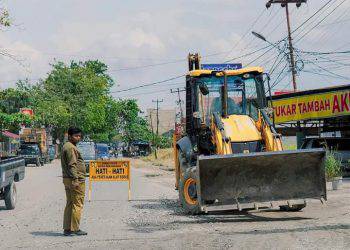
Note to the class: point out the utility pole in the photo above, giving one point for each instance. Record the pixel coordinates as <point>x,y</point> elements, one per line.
<point>179,101</point>
<point>285,4</point>
<point>157,131</point>
<point>153,137</point>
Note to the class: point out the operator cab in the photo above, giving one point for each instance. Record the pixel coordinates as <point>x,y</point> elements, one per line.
<point>231,92</point>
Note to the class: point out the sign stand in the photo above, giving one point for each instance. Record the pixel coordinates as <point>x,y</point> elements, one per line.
<point>109,170</point>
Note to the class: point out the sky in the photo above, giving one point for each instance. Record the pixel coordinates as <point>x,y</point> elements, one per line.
<point>143,42</point>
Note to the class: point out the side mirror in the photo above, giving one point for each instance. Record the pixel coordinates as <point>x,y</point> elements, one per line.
<point>203,88</point>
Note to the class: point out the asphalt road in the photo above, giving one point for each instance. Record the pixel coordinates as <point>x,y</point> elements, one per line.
<point>154,219</point>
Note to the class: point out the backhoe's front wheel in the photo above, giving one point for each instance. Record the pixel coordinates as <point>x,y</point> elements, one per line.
<point>188,192</point>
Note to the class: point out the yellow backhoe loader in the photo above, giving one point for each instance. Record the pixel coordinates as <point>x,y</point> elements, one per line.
<point>230,156</point>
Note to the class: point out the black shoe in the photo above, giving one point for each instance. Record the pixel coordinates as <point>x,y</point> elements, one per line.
<point>67,233</point>
<point>79,233</point>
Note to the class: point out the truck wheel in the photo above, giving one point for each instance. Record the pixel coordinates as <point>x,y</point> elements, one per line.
<point>294,208</point>
<point>10,196</point>
<point>188,192</point>
<point>38,163</point>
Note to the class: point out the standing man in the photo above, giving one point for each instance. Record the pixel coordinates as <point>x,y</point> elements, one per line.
<point>73,172</point>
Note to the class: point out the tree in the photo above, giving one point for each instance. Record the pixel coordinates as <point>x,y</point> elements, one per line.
<point>129,124</point>
<point>11,101</point>
<point>78,94</point>
<point>73,95</point>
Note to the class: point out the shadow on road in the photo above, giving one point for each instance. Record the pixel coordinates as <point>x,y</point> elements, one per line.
<point>299,229</point>
<point>47,233</point>
<point>173,205</point>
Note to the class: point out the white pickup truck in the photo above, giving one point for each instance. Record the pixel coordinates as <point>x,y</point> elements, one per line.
<point>12,169</point>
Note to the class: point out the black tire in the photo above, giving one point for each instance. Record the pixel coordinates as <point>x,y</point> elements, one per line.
<point>293,208</point>
<point>10,196</point>
<point>182,161</point>
<point>183,165</point>
<point>188,192</point>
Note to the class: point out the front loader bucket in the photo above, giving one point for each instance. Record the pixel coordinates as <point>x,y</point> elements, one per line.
<point>261,177</point>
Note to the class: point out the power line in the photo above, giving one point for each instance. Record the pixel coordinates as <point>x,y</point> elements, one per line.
<point>296,29</point>
<point>146,66</point>
<point>326,33</point>
<point>149,84</point>
<point>146,93</point>
<point>248,31</point>
<point>156,90</point>
<point>312,16</point>
<point>278,25</point>
<point>326,53</point>
<point>264,26</point>
<point>248,54</point>
<point>257,58</point>
<point>330,72</point>
<point>321,74</point>
<point>318,23</point>
<point>161,64</point>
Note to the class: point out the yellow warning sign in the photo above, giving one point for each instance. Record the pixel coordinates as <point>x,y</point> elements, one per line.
<point>109,170</point>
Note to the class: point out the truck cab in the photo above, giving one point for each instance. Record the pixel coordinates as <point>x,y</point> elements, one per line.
<point>12,170</point>
<point>31,154</point>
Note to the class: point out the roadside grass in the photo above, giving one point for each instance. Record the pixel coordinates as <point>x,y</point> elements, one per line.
<point>165,159</point>
<point>290,147</point>
<point>289,143</point>
<point>333,166</point>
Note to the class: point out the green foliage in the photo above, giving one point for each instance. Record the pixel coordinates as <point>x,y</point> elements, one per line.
<point>78,94</point>
<point>332,165</point>
<point>75,94</point>
<point>163,141</point>
<point>11,101</point>
<point>129,124</point>
<point>13,121</point>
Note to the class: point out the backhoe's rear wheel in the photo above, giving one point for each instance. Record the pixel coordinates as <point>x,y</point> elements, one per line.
<point>188,192</point>
<point>293,208</point>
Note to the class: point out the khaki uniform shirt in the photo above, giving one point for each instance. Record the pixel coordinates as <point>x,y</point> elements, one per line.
<point>72,163</point>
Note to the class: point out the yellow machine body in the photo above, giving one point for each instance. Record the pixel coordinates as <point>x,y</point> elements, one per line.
<point>225,161</point>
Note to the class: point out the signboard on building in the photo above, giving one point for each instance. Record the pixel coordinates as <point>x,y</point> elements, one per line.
<point>312,106</point>
<point>222,67</point>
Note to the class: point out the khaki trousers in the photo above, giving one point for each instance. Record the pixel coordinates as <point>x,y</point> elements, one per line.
<point>74,206</point>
